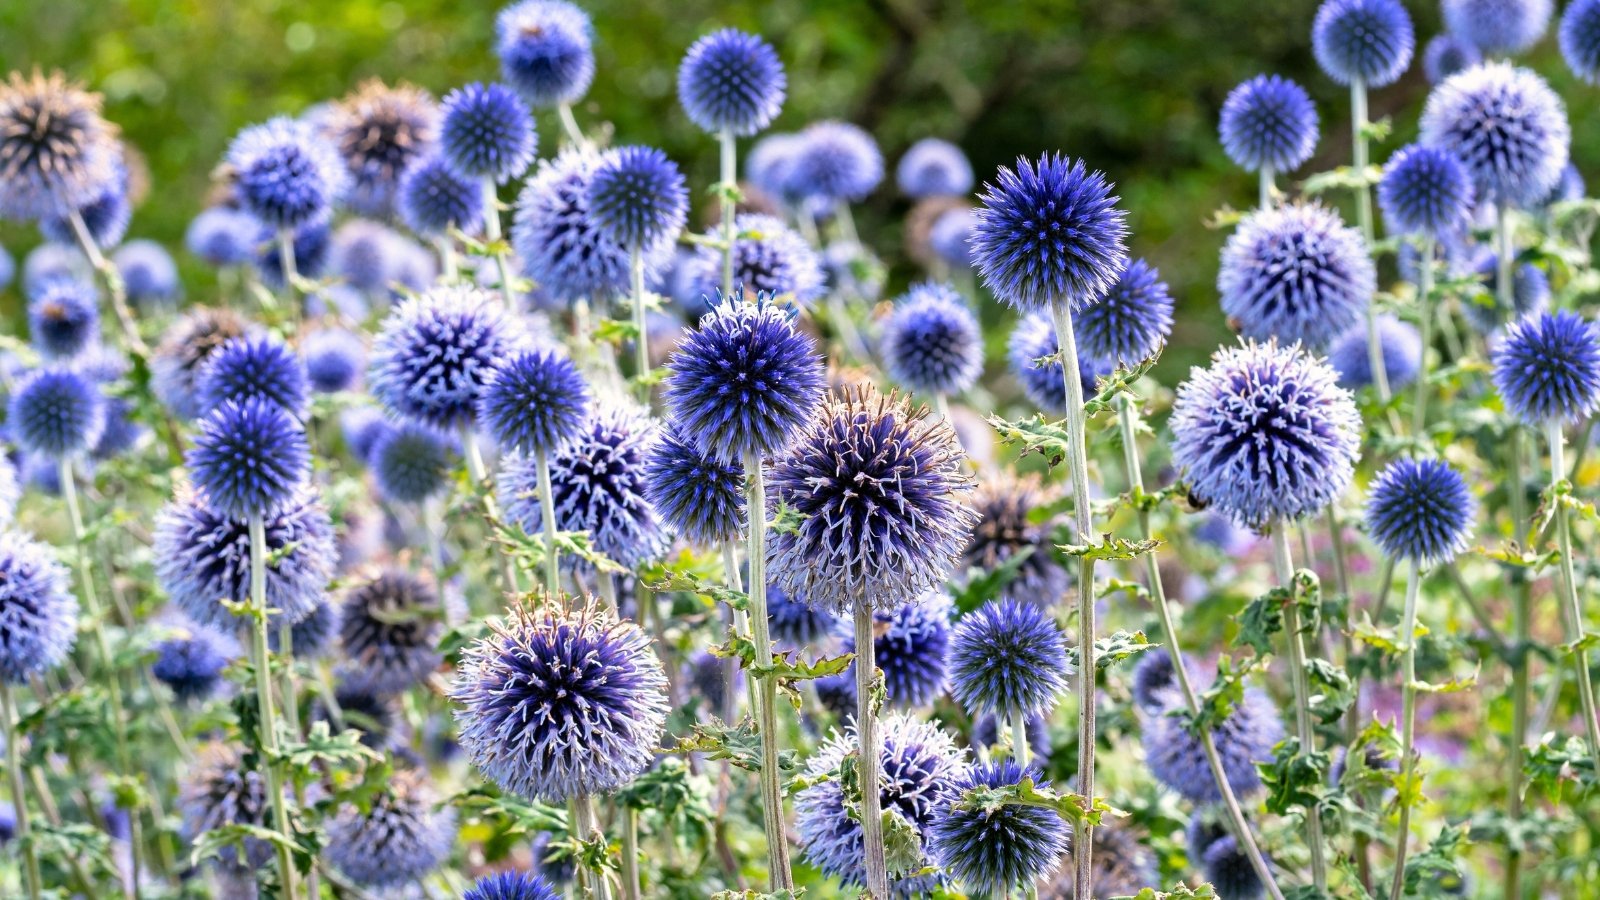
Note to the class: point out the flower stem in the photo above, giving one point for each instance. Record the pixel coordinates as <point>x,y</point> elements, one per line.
<point>479,473</point>
<point>1569,587</point>
<point>1268,186</point>
<point>493,234</point>
<point>1283,565</point>
<point>630,853</point>
<point>1419,407</point>
<point>1358,152</point>
<point>447,257</point>
<point>727,186</point>
<point>19,799</point>
<point>641,341</point>
<point>1505,298</point>
<point>569,124</point>
<point>268,718</point>
<point>586,827</point>
<point>114,285</point>
<point>1019,740</point>
<point>867,754</point>
<point>741,625</point>
<point>1408,719</point>
<point>778,872</point>
<point>1522,635</point>
<point>547,517</point>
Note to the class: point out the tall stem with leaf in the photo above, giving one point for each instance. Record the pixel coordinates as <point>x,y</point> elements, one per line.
<point>727,194</point>
<point>781,878</point>
<point>1408,721</point>
<point>495,238</point>
<point>19,797</point>
<point>1569,587</point>
<point>1283,566</point>
<point>268,724</point>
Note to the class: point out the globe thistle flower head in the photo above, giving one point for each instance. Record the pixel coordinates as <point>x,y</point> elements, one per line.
<point>377,717</point>
<point>1507,127</point>
<point>1265,433</point>
<point>285,174</point>
<point>546,51</point>
<point>769,162</point>
<point>559,240</point>
<point>1154,686</point>
<point>1547,368</point>
<point>487,132</point>
<point>183,353</point>
<point>1580,39</point>
<point>57,153</point>
<point>1498,26</point>
<point>362,427</point>
<point>769,258</point>
<point>389,627</point>
<point>312,246</point>
<point>1178,761</point>
<point>223,236</point>
<point>1121,867</point>
<point>511,885</point>
<point>1445,55</point>
<point>794,622</point>
<point>1426,190</point>
<point>1420,510</point>
<point>56,412</point>
<point>148,273</point>
<point>731,81</point>
<point>1035,338</point>
<point>105,218</point>
<point>247,367</point>
<point>883,504</point>
<point>950,238</point>
<point>412,463</point>
<point>249,457</point>
<point>837,161</point>
<point>931,341</point>
<point>1530,293</point>
<point>1221,861</point>
<point>48,261</point>
<point>699,497</point>
<point>533,400</point>
<point>744,382</point>
<point>1351,357</point>
<point>1008,659</point>
<point>1004,506</point>
<point>403,836</point>
<point>991,852</point>
<point>1295,273</point>
<point>38,613</point>
<point>1363,40</point>
<point>312,636</point>
<point>64,319</point>
<point>379,132</point>
<point>1049,231</point>
<point>334,359</point>
<point>434,353</point>
<point>933,167</point>
<point>1269,122</point>
<point>560,702</point>
<point>1131,322</point>
<point>191,664</point>
<point>637,197</point>
<point>219,790</point>
<point>434,198</point>
<point>909,644</point>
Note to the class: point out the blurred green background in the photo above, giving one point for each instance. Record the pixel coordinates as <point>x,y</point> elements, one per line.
<point>1133,87</point>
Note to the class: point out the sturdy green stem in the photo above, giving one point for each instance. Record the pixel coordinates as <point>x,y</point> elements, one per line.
<point>607,583</point>
<point>778,871</point>
<point>641,342</point>
<point>1408,719</point>
<point>1569,587</point>
<point>114,285</point>
<point>846,221</point>
<point>268,716</point>
<point>1019,740</point>
<point>630,853</point>
<point>1522,629</point>
<point>741,624</point>
<point>291,272</point>
<point>569,124</point>
<point>586,827</point>
<point>493,234</point>
<point>447,258</point>
<point>547,517</point>
<point>1283,565</point>
<point>868,750</point>
<point>479,473</point>
<point>1267,187</point>
<point>19,794</point>
<point>727,187</point>
<point>1358,141</point>
<point>1419,407</point>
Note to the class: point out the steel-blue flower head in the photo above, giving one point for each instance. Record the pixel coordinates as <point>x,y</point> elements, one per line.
<point>1008,659</point>
<point>412,463</point>
<point>38,613</point>
<point>389,628</point>
<point>950,238</point>
<point>1295,273</point>
<point>248,367</point>
<point>533,400</point>
<point>511,885</point>
<point>1178,760</point>
<point>1366,40</point>
<point>488,132</point>
<point>285,174</point>
<point>920,765</point>
<point>148,273</point>
<point>367,255</point>
<point>1265,433</point>
<point>188,345</point>
<point>1498,26</point>
<point>1446,54</point>
<point>313,636</point>
<point>1035,338</point>
<point>249,457</point>
<point>1530,293</point>
<point>1426,191</point>
<point>546,50</point>
<point>1506,125</point>
<point>1400,343</point>
<point>883,502</point>
<point>64,318</point>
<point>334,359</point>
<point>1420,510</point>
<point>1570,187</point>
<point>769,258</point>
<point>203,557</point>
<point>558,237</point>
<point>8,268</point>
<point>993,852</point>
<point>931,341</point>
<point>1547,367</point>
<point>699,497</point>
<point>223,236</point>
<point>637,197</point>
<point>1049,231</point>
<point>57,153</point>
<point>910,644</point>
<point>56,412</point>
<point>105,218</point>
<point>49,261</point>
<point>796,623</point>
<point>191,664</point>
<point>404,834</point>
<point>379,132</point>
<point>1131,322</point>
<point>731,81</point>
<point>218,790</point>
<point>434,353</point>
<point>558,703</point>
<point>1269,122</point>
<point>1005,506</point>
<point>1580,39</point>
<point>933,167</point>
<point>121,432</point>
<point>836,161</point>
<point>1216,850</point>
<point>434,198</point>
<point>744,382</point>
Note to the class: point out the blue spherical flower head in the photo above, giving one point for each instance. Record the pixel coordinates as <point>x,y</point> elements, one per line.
<point>1035,338</point>
<point>1269,122</point>
<point>223,236</point>
<point>1049,232</point>
<point>931,341</point>
<point>1295,273</point>
<point>920,765</point>
<point>1008,659</point>
<point>769,258</point>
<point>637,197</point>
<point>313,636</point>
<point>191,664</point>
<point>1580,39</point>
<point>105,218</point>
<point>1265,433</point>
<point>1498,26</point>
<point>699,497</point>
<point>56,412</point>
<point>559,240</point>
<point>934,168</point>
<point>389,629</point>
<point>1351,357</point>
<point>487,132</point>
<point>380,131</point>
<point>49,261</point>
<point>1004,506</point>
<point>434,353</point>
<point>148,273</point>
<point>511,885</point>
<point>249,457</point>
<point>558,703</point>
<point>38,613</point>
<point>1547,368</point>
<point>183,353</point>
<point>1507,127</point>
<point>434,198</point>
<point>1427,191</point>
<point>533,400</point>
<point>1445,55</point>
<point>57,153</point>
<point>405,833</point>
<point>334,359</point>
<point>64,318</point>
<point>1131,322</point>
<point>218,790</point>
<point>731,81</point>
<point>769,162</point>
<point>1214,847</point>
<point>950,238</point>
<point>836,161</point>
<point>909,645</point>
<point>285,174</point>
<point>247,367</point>
<point>411,463</point>
<point>546,50</point>
<point>1420,510</point>
<point>744,382</point>
<point>1363,40</point>
<point>1178,760</point>
<point>1530,293</point>
<point>993,852</point>
<point>796,623</point>
<point>883,501</point>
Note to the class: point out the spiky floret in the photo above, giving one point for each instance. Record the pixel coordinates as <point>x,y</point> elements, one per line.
<point>637,196</point>
<point>1034,339</point>
<point>1295,273</point>
<point>1004,506</point>
<point>1049,231</point>
<point>105,218</point>
<point>191,664</point>
<point>1269,122</point>
<point>488,132</point>
<point>1530,293</point>
<point>380,131</point>
<point>182,355</point>
<point>1008,659</point>
<point>1426,190</point>
<point>992,852</point>
<point>223,236</point>
<point>560,702</point>
<point>769,258</point>
<point>285,174</point>
<point>248,367</point>
<point>950,237</point>
<point>883,503</point>
<point>218,790</point>
<point>1547,367</point>
<point>1420,510</point>
<point>249,457</point>
<point>835,161</point>
<point>148,272</point>
<point>795,622</point>
<point>546,50</point>
<point>909,644</point>
<point>1265,433</point>
<point>1175,755</point>
<point>1580,39</point>
<point>1446,54</point>
<point>56,411</point>
<point>1131,322</point>
<point>38,613</point>
<point>312,636</point>
<point>389,626</point>
<point>700,497</point>
<point>64,318</point>
<point>334,359</point>
<point>1351,357</point>
<point>1215,849</point>
<point>57,153</point>
<point>511,885</point>
<point>731,81</point>
<point>533,400</point>
<point>403,835</point>
<point>1366,40</point>
<point>434,198</point>
<point>412,463</point>
<point>931,340</point>
<point>1498,26</point>
<point>378,718</point>
<point>1507,126</point>
<point>933,167</point>
<point>434,353</point>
